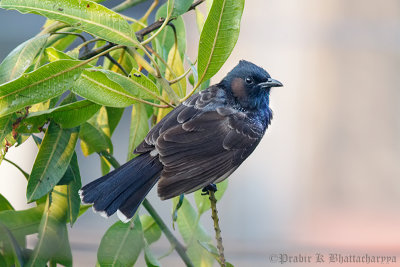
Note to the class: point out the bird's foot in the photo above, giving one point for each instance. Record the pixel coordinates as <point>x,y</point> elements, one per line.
<point>210,187</point>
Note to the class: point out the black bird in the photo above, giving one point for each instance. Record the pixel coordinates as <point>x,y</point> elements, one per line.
<point>200,142</point>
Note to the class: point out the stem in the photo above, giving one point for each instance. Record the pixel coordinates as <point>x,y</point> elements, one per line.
<point>214,216</point>
<point>18,167</point>
<point>177,79</point>
<point>171,238</point>
<point>151,8</point>
<point>116,63</point>
<point>126,4</point>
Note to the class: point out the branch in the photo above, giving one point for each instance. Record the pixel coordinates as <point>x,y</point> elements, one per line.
<point>139,34</point>
<point>157,24</point>
<point>214,216</point>
<point>171,238</point>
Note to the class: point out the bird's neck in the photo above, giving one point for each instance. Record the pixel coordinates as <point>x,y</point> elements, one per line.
<point>256,106</point>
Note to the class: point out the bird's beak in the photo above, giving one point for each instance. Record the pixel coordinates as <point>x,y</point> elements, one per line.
<point>271,83</point>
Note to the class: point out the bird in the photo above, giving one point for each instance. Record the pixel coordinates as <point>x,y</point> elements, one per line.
<point>198,144</point>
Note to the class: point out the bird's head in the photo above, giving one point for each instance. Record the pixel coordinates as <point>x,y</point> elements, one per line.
<point>249,85</point>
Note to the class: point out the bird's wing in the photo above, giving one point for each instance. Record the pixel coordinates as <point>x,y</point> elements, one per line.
<point>195,105</point>
<point>202,142</point>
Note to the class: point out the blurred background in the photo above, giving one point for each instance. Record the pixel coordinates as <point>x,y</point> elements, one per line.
<point>326,177</point>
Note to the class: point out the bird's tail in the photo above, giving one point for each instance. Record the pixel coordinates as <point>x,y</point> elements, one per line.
<point>123,189</point>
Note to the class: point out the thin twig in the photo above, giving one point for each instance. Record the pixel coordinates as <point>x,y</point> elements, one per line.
<point>85,44</point>
<point>177,79</point>
<point>97,51</point>
<point>126,4</point>
<point>72,33</point>
<point>214,216</point>
<point>157,24</point>
<point>171,238</point>
<point>195,4</point>
<point>151,8</point>
<point>115,62</point>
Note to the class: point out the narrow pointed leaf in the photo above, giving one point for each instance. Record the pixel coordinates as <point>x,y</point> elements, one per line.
<point>151,230</point>
<point>52,228</point>
<point>64,254</point>
<point>67,116</point>
<point>192,232</point>
<point>139,127</point>
<point>21,58</point>
<point>180,7</point>
<point>114,115</point>
<point>72,181</point>
<point>84,15</point>
<point>166,39</point>
<point>218,37</point>
<point>121,244</point>
<point>40,85</point>
<point>6,138</point>
<point>150,258</point>
<point>11,247</point>
<point>52,160</point>
<point>22,222</point>
<point>111,89</point>
<point>4,204</point>
<point>94,139</point>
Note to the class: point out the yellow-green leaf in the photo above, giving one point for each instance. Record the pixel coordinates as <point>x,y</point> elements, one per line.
<point>218,37</point>
<point>42,84</point>
<point>85,15</point>
<point>52,160</point>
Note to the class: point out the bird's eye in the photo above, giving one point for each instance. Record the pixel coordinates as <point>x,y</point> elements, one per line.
<point>249,80</point>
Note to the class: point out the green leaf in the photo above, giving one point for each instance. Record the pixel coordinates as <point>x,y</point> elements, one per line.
<point>149,257</point>
<point>218,37</point>
<point>21,58</point>
<point>188,225</point>
<point>4,204</point>
<point>166,39</point>
<point>3,261</point>
<point>54,54</point>
<point>72,180</point>
<point>84,15</point>
<point>114,115</point>
<point>123,58</point>
<point>139,127</point>
<point>93,139</point>
<point>6,136</point>
<point>192,232</point>
<point>203,201</point>
<point>64,254</point>
<point>52,160</point>
<point>121,244</point>
<point>52,228</point>
<point>151,230</point>
<point>108,88</point>
<point>11,246</point>
<point>22,222</point>
<point>24,173</point>
<point>199,20</point>
<point>210,248</point>
<point>42,84</point>
<point>67,116</point>
<point>180,6</point>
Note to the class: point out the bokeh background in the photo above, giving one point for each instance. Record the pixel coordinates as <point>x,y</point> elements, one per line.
<point>326,176</point>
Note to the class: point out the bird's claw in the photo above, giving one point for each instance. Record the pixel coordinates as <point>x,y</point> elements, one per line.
<point>210,187</point>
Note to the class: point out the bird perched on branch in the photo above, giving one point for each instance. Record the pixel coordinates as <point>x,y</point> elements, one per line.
<point>200,142</point>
